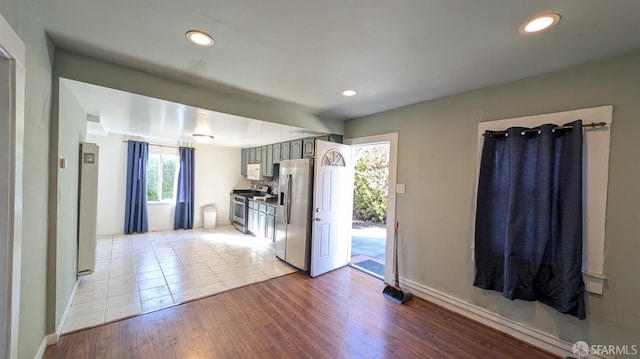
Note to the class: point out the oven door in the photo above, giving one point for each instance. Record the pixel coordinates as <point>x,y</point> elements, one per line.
<point>239,210</point>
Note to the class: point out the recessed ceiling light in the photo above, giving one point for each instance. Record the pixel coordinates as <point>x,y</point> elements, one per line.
<point>539,23</point>
<point>349,93</point>
<point>202,137</point>
<point>200,38</point>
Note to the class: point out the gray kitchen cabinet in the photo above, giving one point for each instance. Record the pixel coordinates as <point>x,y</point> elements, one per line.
<point>272,154</point>
<point>251,219</point>
<point>270,230</point>
<point>261,221</point>
<point>258,155</point>
<point>252,155</point>
<point>244,160</point>
<point>285,150</point>
<point>308,147</point>
<point>262,224</point>
<point>263,160</point>
<point>276,153</point>
<point>296,149</point>
<point>267,161</point>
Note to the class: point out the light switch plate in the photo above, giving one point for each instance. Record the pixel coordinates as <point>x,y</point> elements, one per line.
<point>400,188</point>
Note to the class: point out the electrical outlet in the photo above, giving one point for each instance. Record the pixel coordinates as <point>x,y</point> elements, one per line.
<point>400,188</point>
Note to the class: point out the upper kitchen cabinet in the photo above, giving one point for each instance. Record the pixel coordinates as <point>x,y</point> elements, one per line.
<point>258,155</point>
<point>252,155</point>
<point>285,151</point>
<point>267,161</point>
<point>308,147</point>
<point>309,144</point>
<point>269,155</point>
<point>244,160</point>
<point>296,149</point>
<point>276,153</point>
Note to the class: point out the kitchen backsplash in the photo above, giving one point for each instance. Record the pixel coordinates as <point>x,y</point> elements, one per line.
<point>272,183</point>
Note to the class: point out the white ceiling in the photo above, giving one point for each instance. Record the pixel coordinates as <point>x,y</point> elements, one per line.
<point>306,52</point>
<point>122,112</point>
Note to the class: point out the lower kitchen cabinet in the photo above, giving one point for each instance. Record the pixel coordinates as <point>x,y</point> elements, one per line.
<point>262,220</point>
<point>252,216</point>
<point>270,230</point>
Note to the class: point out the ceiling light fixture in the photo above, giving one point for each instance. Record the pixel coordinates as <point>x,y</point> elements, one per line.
<point>202,138</point>
<point>349,93</point>
<point>539,23</point>
<point>200,38</point>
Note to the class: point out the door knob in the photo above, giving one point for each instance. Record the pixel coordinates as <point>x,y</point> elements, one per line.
<point>318,219</point>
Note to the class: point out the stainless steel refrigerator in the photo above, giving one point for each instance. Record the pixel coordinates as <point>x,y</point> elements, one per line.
<point>293,217</point>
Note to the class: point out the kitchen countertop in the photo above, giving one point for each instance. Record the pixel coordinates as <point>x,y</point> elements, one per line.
<point>270,201</point>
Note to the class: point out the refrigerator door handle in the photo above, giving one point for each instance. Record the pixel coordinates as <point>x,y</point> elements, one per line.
<point>289,193</point>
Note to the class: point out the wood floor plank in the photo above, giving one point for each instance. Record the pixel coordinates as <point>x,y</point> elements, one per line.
<point>341,314</point>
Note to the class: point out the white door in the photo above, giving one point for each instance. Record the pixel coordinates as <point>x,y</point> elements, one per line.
<point>332,207</point>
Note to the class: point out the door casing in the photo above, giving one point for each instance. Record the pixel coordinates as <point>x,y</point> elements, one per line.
<point>12,51</point>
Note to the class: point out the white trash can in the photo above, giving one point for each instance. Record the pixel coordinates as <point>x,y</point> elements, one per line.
<point>210,215</point>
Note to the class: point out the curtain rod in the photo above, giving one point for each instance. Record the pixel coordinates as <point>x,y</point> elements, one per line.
<point>153,144</point>
<point>536,129</point>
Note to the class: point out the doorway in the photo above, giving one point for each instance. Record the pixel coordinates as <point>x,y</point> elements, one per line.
<point>370,193</point>
<point>374,199</point>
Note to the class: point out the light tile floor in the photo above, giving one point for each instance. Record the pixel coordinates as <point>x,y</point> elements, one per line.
<point>142,273</point>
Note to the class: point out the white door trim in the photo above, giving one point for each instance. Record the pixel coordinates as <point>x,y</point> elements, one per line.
<point>11,47</point>
<point>392,139</point>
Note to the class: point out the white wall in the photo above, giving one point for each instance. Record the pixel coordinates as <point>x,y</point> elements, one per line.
<point>217,172</point>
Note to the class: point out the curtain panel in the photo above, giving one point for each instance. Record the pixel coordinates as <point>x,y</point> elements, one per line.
<point>184,196</point>
<point>528,234</point>
<point>135,210</point>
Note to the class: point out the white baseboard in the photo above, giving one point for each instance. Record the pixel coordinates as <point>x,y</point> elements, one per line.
<point>521,331</point>
<point>46,341</point>
<point>52,338</point>
<point>42,348</point>
<point>67,308</point>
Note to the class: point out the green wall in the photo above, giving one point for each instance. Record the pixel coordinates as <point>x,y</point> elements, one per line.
<point>437,157</point>
<point>33,293</point>
<point>72,129</point>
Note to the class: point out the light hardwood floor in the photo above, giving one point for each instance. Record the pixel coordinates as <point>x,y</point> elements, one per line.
<point>341,314</point>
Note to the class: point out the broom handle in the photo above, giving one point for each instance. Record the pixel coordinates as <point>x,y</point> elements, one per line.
<point>395,253</point>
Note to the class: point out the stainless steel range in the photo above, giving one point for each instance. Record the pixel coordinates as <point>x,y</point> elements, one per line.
<point>239,205</point>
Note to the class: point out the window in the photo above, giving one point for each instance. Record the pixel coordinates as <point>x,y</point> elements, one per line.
<point>596,171</point>
<point>162,177</point>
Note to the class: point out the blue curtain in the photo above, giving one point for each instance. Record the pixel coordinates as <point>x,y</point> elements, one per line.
<point>528,238</point>
<point>184,195</point>
<point>135,211</point>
